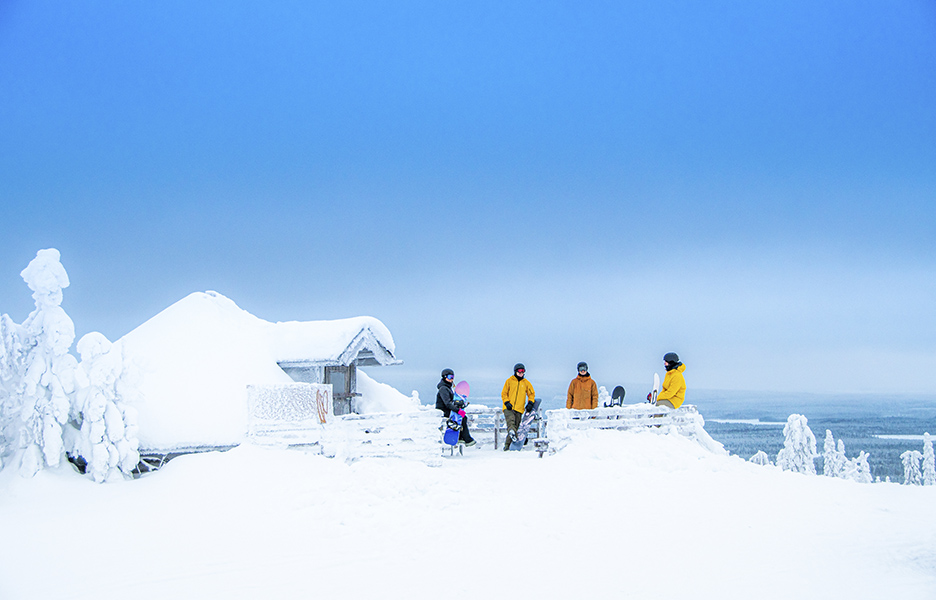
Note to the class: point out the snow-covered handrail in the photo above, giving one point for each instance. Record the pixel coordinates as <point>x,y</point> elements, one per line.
<point>685,421</point>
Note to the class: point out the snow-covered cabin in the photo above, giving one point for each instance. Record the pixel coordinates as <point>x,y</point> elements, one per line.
<point>331,351</point>
<point>197,357</point>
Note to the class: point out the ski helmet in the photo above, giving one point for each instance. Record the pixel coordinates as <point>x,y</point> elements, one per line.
<point>582,366</point>
<point>671,357</point>
<point>446,372</point>
<point>519,366</point>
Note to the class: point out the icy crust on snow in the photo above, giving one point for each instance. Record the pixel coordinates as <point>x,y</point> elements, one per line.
<point>198,356</point>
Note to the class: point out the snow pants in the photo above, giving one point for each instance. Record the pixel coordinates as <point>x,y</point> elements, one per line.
<point>512,418</point>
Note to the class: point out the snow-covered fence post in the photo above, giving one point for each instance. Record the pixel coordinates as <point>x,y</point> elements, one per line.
<point>929,461</point>
<point>911,464</point>
<point>799,447</point>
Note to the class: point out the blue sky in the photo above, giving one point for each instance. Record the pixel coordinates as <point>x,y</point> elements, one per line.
<point>752,185</point>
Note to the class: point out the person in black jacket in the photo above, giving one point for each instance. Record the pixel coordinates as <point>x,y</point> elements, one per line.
<point>448,403</point>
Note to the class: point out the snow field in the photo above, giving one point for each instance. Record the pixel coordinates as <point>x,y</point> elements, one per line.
<point>614,514</point>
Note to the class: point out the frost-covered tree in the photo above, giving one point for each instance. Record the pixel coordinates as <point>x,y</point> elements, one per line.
<point>106,425</point>
<point>11,359</point>
<point>799,447</point>
<point>911,464</point>
<point>46,371</point>
<point>833,458</point>
<point>857,469</point>
<point>761,458</point>
<point>929,461</point>
<point>836,464</point>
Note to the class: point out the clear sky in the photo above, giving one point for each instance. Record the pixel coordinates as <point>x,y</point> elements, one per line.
<point>749,184</point>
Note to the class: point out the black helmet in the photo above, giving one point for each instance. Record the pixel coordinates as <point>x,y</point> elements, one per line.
<point>582,366</point>
<point>671,357</point>
<point>519,366</point>
<point>446,372</point>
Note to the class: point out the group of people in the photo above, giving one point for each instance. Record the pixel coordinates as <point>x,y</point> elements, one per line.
<point>518,395</point>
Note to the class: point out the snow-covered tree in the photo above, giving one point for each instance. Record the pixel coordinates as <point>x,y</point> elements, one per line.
<point>833,458</point>
<point>799,447</point>
<point>857,469</point>
<point>761,458</point>
<point>911,464</point>
<point>106,424</point>
<point>929,461</point>
<point>46,373</point>
<point>11,359</point>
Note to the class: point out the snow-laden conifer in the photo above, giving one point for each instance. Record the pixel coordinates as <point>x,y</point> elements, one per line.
<point>799,447</point>
<point>833,457</point>
<point>11,359</point>
<point>929,461</point>
<point>857,469</point>
<point>106,424</point>
<point>47,371</point>
<point>911,464</point>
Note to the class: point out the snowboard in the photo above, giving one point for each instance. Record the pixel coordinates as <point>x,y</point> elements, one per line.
<point>656,389</point>
<point>452,429</point>
<point>454,424</point>
<point>617,397</point>
<point>525,423</point>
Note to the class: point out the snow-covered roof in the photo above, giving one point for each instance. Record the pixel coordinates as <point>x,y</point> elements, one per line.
<point>360,340</point>
<point>197,357</point>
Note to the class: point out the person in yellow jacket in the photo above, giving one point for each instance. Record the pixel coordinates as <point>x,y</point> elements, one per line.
<point>673,393</point>
<point>583,391</point>
<point>518,396</point>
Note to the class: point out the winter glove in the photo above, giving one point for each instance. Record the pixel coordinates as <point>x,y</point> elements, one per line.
<point>649,396</point>
<point>529,407</point>
<point>461,413</point>
<point>508,405</point>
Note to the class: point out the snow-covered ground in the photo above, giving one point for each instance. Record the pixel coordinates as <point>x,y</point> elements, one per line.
<point>612,515</point>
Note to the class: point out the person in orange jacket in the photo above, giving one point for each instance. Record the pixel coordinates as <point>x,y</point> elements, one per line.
<point>583,391</point>
<point>518,396</point>
<point>673,393</point>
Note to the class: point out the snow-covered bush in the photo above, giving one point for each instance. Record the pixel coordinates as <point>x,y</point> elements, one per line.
<point>604,398</point>
<point>106,425</point>
<point>761,458</point>
<point>799,447</point>
<point>911,464</point>
<point>929,461</point>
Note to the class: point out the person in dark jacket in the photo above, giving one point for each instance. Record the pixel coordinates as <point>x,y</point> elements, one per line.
<point>448,403</point>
